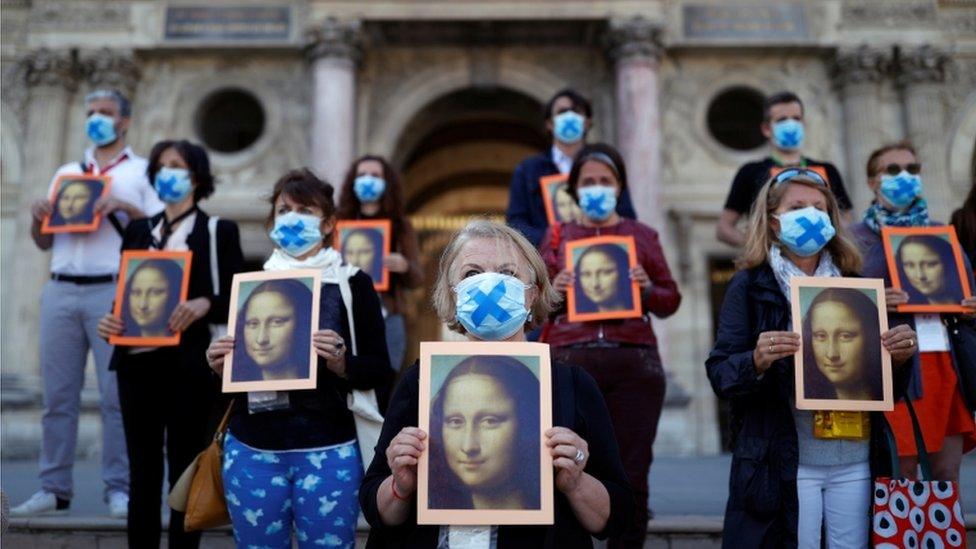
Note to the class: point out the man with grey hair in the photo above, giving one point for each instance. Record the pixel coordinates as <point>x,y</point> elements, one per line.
<point>84,268</point>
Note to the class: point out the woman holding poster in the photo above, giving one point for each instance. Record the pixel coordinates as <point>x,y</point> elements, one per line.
<point>591,494</point>
<point>927,272</point>
<point>153,379</point>
<point>789,478</point>
<point>619,349</point>
<point>372,190</point>
<point>293,459</point>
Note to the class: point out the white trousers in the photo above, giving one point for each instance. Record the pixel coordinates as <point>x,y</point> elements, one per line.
<point>838,496</point>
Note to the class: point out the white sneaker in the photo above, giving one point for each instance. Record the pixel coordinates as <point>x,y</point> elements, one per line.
<point>118,505</point>
<point>41,503</point>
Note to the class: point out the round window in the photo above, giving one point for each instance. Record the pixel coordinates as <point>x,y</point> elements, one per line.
<point>230,120</point>
<point>734,117</point>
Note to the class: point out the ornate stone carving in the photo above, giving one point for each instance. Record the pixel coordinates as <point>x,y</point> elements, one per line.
<point>81,15</point>
<point>862,64</point>
<point>55,68</point>
<point>336,39</point>
<point>635,37</point>
<point>887,13</point>
<point>923,64</point>
<point>113,69</point>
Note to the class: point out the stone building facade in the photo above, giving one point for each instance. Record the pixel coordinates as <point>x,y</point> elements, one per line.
<point>452,91</point>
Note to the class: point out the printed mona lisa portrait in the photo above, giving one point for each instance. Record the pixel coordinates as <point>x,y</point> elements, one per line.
<point>560,206</point>
<point>927,263</point>
<point>151,285</point>
<point>602,288</point>
<point>365,244</point>
<point>73,204</point>
<point>843,362</point>
<point>272,320</point>
<point>485,432</point>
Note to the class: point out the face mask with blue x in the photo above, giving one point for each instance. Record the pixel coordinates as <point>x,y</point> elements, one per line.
<point>597,201</point>
<point>806,231</point>
<point>491,306</point>
<point>296,233</point>
<point>788,134</point>
<point>368,188</point>
<point>568,127</point>
<point>902,189</point>
<point>101,129</point>
<point>173,185</point>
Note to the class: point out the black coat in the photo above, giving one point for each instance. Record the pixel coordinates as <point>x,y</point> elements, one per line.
<point>578,405</point>
<point>230,259</point>
<point>762,507</point>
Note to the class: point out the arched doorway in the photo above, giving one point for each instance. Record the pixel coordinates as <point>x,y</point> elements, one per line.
<point>457,155</point>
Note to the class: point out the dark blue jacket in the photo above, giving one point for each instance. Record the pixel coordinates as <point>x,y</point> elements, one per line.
<point>762,507</point>
<point>526,212</point>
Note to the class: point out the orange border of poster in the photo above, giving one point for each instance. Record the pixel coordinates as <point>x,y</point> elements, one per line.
<point>633,312</point>
<point>386,227</point>
<point>941,230</point>
<point>47,228</point>
<point>127,257</point>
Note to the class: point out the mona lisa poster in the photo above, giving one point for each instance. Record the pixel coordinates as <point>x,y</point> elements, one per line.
<point>602,288</point>
<point>841,364</point>
<point>151,284</point>
<point>485,407</point>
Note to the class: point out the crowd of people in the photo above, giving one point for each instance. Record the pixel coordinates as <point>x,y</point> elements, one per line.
<point>294,463</point>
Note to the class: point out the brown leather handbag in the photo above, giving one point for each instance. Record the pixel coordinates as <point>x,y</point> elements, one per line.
<point>200,490</point>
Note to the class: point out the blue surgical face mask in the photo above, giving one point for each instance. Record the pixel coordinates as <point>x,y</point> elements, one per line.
<point>101,129</point>
<point>491,306</point>
<point>902,189</point>
<point>368,188</point>
<point>296,233</point>
<point>597,201</point>
<point>568,127</point>
<point>788,134</point>
<point>805,232</point>
<point>173,185</point>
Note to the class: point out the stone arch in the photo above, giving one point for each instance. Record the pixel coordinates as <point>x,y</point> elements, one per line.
<point>426,86</point>
<point>962,149</point>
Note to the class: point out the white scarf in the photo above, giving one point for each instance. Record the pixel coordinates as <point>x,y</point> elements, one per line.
<point>327,259</point>
<point>784,269</point>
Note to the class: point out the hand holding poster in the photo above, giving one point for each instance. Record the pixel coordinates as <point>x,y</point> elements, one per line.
<point>151,285</point>
<point>486,408</point>
<point>272,317</point>
<point>73,200</point>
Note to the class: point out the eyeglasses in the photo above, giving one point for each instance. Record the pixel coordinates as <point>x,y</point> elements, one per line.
<point>791,173</point>
<point>895,169</point>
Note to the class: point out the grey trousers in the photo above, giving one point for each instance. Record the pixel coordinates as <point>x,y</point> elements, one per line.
<point>69,321</point>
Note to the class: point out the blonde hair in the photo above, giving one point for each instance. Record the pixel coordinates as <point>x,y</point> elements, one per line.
<point>443,297</point>
<point>762,235</point>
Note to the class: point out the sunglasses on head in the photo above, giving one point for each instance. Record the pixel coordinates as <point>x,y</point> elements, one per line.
<point>791,173</point>
<point>895,169</point>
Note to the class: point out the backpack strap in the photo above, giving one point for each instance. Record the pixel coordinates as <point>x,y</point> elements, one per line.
<point>214,267</point>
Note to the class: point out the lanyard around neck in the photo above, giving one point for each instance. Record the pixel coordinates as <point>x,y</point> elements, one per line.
<point>167,230</point>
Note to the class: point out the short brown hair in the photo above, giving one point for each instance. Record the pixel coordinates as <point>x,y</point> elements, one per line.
<point>443,298</point>
<point>597,152</point>
<point>305,188</point>
<point>872,168</point>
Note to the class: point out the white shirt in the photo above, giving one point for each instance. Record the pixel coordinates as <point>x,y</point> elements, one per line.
<point>562,161</point>
<point>97,253</point>
<point>177,239</point>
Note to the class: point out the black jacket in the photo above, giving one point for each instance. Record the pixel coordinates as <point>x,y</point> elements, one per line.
<point>230,259</point>
<point>577,405</point>
<point>762,506</point>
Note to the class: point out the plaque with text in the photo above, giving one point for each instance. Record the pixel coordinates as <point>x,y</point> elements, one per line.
<point>228,24</point>
<point>753,23</point>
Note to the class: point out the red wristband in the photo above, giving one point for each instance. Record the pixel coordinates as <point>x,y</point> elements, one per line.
<point>393,489</point>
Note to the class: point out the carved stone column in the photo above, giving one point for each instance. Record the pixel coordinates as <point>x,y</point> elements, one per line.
<point>51,77</point>
<point>921,74</point>
<point>857,73</point>
<point>635,48</point>
<point>334,51</point>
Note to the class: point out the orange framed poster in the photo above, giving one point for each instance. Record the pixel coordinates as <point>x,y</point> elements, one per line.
<point>927,263</point>
<point>366,244</point>
<point>151,284</point>
<point>841,364</point>
<point>560,206</point>
<point>602,287</point>
<point>486,407</point>
<point>272,317</point>
<point>73,198</point>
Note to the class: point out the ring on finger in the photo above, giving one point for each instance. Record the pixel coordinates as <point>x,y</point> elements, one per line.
<point>580,456</point>
<point>770,347</point>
